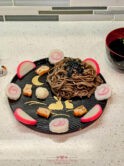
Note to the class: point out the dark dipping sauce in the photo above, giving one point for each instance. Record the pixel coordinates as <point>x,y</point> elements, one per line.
<point>116,53</point>
<point>117,46</point>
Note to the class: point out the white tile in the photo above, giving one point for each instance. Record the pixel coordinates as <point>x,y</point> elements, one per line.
<point>114,8</point>
<point>57,3</point>
<point>86,17</point>
<point>24,10</point>
<point>105,12</point>
<point>119,17</point>
<point>96,2</point>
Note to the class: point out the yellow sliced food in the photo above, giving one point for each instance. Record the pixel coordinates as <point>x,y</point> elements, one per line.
<point>35,81</point>
<point>56,106</point>
<point>56,98</point>
<point>68,104</point>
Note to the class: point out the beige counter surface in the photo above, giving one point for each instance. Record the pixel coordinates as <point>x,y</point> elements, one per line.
<point>102,143</point>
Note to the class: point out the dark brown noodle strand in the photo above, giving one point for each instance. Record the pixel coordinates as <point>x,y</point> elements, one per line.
<point>73,78</point>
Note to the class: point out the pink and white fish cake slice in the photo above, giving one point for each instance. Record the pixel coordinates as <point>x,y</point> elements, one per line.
<point>59,125</point>
<point>13,91</point>
<point>103,92</point>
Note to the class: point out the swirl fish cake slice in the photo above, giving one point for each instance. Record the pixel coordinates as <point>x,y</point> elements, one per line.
<point>13,91</point>
<point>59,125</point>
<point>103,92</point>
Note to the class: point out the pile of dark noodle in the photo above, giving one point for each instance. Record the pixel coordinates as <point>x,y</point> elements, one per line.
<point>73,78</point>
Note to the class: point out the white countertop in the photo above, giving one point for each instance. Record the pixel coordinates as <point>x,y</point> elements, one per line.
<point>102,143</point>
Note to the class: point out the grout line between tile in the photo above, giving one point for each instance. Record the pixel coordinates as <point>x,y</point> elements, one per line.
<point>4,18</point>
<point>13,3</point>
<point>114,18</point>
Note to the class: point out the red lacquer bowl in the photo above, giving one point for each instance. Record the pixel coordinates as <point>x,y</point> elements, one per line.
<point>115,58</point>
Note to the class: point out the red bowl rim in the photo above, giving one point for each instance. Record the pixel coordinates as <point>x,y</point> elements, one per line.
<point>107,43</point>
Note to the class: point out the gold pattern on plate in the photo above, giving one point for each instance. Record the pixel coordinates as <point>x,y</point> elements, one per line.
<point>34,103</point>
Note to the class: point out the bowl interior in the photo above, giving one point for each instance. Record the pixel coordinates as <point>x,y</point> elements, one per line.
<point>112,36</point>
<point>115,34</point>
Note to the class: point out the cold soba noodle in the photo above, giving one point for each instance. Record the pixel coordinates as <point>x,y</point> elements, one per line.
<point>73,78</point>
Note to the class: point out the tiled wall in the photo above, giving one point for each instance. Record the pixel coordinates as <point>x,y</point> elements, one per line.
<point>61,10</point>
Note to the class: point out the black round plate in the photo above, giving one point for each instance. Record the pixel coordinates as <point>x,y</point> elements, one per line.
<point>42,123</point>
